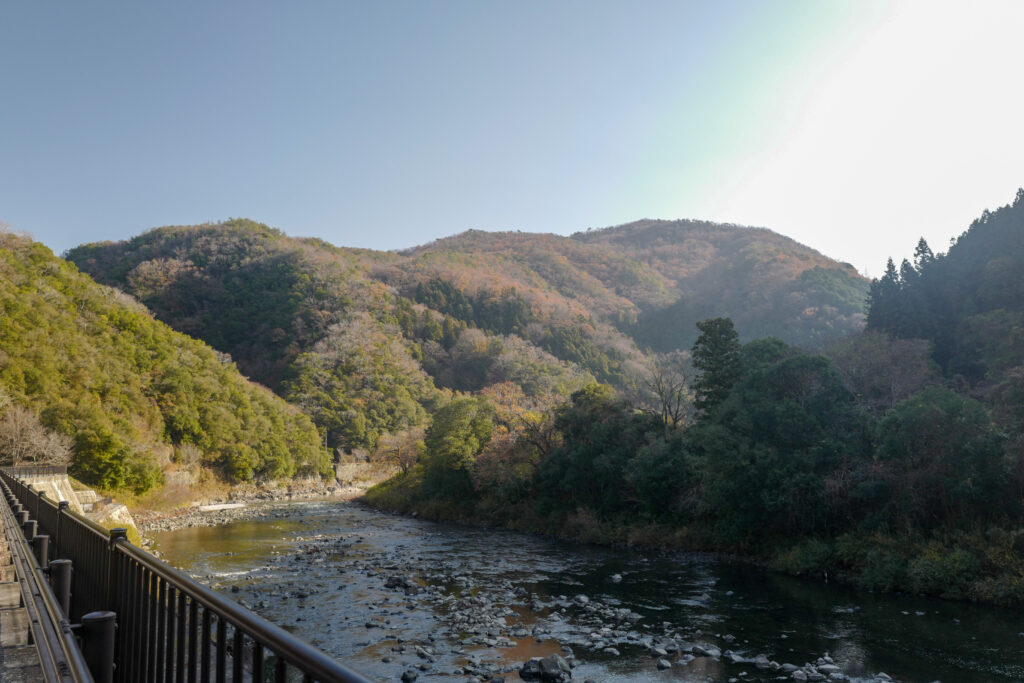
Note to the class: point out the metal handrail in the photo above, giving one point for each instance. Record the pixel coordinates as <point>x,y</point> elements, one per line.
<point>273,637</point>
<point>36,470</point>
<point>60,658</point>
<point>166,619</point>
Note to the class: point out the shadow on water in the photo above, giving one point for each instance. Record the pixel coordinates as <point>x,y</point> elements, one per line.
<point>319,570</point>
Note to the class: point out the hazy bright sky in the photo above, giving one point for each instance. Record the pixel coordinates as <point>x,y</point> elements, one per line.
<point>854,127</point>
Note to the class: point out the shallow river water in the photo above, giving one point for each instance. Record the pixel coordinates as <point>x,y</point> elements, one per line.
<point>369,588</point>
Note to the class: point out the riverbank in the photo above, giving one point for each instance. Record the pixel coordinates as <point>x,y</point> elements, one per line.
<point>978,565</point>
<point>241,503</point>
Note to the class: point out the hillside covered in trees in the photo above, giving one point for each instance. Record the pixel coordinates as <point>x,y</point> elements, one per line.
<point>370,344</point>
<point>653,280</point>
<point>893,457</point>
<point>311,322</point>
<point>90,375</point>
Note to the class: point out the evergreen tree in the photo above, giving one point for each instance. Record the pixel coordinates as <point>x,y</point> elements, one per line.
<point>883,301</point>
<point>923,256</point>
<point>716,355</point>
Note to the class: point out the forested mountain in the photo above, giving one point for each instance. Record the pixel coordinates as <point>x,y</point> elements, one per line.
<point>133,395</point>
<point>767,284</point>
<point>653,280</point>
<point>310,321</point>
<point>371,343</point>
<point>893,458</point>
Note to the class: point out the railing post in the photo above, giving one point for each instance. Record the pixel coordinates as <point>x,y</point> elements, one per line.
<point>98,644</point>
<point>60,581</point>
<point>29,527</point>
<point>62,508</point>
<point>22,518</point>
<point>38,494</point>
<point>41,549</point>
<point>118,535</point>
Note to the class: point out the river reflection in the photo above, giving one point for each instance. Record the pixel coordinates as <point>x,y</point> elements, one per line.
<point>319,570</point>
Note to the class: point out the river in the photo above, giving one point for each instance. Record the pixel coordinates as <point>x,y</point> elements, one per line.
<point>370,588</point>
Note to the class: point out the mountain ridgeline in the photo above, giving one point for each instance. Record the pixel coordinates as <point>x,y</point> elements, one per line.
<point>370,344</point>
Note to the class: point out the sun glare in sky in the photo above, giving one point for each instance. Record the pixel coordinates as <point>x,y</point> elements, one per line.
<point>853,127</point>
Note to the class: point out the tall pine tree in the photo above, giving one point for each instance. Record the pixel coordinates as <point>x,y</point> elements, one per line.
<point>716,354</point>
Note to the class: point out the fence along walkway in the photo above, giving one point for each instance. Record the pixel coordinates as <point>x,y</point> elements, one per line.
<point>170,629</point>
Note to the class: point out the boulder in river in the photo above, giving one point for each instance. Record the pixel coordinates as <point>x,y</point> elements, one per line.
<point>550,668</point>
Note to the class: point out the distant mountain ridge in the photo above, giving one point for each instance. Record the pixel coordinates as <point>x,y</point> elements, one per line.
<point>369,343</point>
<point>654,279</point>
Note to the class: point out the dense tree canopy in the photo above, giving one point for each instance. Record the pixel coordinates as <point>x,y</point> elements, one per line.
<point>129,391</point>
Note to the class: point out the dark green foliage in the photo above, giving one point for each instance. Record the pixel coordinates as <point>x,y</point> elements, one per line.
<point>97,367</point>
<point>716,356</point>
<point>600,438</point>
<point>572,344</point>
<point>239,286</point>
<point>359,383</point>
<point>943,461</point>
<point>458,433</point>
<point>771,446</point>
<point>504,312</point>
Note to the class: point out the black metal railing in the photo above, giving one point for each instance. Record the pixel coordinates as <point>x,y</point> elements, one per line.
<point>28,471</point>
<point>170,629</point>
<point>60,657</point>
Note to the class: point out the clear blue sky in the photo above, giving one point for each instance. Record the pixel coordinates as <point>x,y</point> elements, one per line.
<point>851,126</point>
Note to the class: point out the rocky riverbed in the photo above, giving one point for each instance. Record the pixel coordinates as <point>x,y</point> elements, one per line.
<point>240,505</point>
<point>405,600</point>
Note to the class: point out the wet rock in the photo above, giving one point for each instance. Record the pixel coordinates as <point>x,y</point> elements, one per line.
<point>664,664</point>
<point>706,651</point>
<point>409,676</point>
<point>550,668</point>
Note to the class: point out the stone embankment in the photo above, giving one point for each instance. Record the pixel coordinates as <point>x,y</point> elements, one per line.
<point>104,511</point>
<point>251,502</point>
<point>239,505</point>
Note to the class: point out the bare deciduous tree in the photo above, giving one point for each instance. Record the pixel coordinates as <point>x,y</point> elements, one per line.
<point>25,441</point>
<point>402,448</point>
<point>665,390</point>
